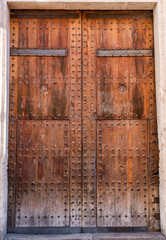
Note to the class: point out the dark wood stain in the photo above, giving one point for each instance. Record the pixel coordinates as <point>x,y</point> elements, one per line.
<point>135,37</point>
<point>106,98</point>
<point>28,105</point>
<point>54,101</point>
<point>40,169</point>
<point>62,66</point>
<point>59,102</point>
<point>139,66</point>
<point>138,103</point>
<point>39,109</point>
<point>20,101</point>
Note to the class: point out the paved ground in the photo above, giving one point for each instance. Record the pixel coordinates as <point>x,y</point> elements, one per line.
<point>89,236</point>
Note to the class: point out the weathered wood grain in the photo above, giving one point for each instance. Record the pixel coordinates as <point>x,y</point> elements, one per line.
<point>122,172</point>
<point>42,183</point>
<point>44,99</point>
<point>83,149</point>
<point>89,124</point>
<point>115,88</point>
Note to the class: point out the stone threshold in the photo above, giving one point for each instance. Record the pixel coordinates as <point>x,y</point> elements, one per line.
<point>90,236</point>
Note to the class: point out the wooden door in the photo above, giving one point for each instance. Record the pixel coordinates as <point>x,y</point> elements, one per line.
<point>45,119</point>
<point>120,187</point>
<point>82,127</point>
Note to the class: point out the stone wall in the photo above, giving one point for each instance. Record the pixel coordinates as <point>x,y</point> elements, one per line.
<point>4,67</point>
<point>160,71</point>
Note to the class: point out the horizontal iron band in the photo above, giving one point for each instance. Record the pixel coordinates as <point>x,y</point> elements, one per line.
<point>43,14</point>
<point>38,52</point>
<point>109,15</point>
<point>124,53</point>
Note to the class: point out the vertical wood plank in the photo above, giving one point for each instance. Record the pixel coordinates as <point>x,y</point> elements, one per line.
<point>12,125</point>
<point>75,123</point>
<point>89,123</point>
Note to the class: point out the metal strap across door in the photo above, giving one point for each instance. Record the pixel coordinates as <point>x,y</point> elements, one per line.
<point>83,147</point>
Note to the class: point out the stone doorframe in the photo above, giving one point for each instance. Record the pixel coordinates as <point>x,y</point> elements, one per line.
<point>159,10</point>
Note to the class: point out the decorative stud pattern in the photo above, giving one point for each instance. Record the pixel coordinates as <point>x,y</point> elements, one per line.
<point>45,95</point>
<point>89,124</point>
<point>122,173</point>
<point>75,125</point>
<point>124,89</point>
<point>98,115</point>
<point>122,92</point>
<point>42,181</point>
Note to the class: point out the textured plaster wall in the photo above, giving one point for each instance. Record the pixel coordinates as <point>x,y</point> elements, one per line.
<point>160,71</point>
<point>83,4</point>
<point>159,7</point>
<point>4,33</point>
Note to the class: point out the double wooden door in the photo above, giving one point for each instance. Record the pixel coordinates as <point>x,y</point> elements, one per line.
<point>82,131</point>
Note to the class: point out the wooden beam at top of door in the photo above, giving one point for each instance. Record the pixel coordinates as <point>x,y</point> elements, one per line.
<point>43,14</point>
<point>119,15</point>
